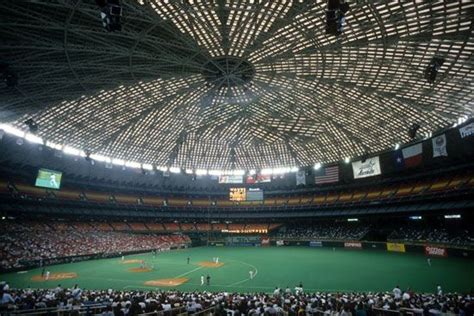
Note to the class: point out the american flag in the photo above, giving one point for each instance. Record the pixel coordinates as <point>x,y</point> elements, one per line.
<point>327,175</point>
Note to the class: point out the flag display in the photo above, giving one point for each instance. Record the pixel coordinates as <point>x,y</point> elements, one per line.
<point>467,130</point>
<point>300,178</point>
<point>327,175</point>
<point>409,157</point>
<point>439,146</point>
<point>369,168</point>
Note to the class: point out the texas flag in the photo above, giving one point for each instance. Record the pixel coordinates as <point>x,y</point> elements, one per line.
<point>409,157</point>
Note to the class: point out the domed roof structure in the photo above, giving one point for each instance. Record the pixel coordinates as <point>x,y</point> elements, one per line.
<point>243,84</point>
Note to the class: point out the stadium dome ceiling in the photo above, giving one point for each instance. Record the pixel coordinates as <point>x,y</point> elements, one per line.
<point>235,84</point>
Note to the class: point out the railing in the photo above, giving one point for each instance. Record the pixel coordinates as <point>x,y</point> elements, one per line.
<point>379,312</point>
<point>76,310</point>
<point>172,312</point>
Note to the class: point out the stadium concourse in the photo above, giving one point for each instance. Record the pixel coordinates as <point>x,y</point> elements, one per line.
<point>236,157</point>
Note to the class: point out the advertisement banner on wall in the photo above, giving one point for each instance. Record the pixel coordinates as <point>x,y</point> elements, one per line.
<point>396,247</point>
<point>315,243</point>
<point>352,245</point>
<point>435,251</point>
<point>280,243</point>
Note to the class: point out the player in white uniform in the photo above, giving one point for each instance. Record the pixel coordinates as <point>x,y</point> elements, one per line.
<point>251,274</point>
<point>202,280</point>
<point>52,181</point>
<point>47,275</point>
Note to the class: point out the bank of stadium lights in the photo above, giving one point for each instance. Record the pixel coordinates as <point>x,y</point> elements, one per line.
<point>278,171</point>
<point>352,219</point>
<point>147,166</point>
<point>73,151</point>
<point>201,172</point>
<point>416,218</point>
<point>34,139</point>
<point>452,216</point>
<point>175,170</point>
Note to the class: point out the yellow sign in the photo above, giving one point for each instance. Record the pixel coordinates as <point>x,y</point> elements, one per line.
<point>237,194</point>
<point>391,246</point>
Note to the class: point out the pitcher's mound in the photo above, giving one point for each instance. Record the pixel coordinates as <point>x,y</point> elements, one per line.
<point>55,276</point>
<point>210,264</point>
<point>131,261</point>
<point>139,269</point>
<point>167,282</point>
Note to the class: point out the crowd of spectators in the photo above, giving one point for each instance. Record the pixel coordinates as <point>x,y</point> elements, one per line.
<point>332,231</point>
<point>281,302</point>
<point>21,245</point>
<point>437,235</point>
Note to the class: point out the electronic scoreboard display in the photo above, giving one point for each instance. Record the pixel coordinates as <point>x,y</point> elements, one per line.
<point>50,179</point>
<point>244,194</point>
<point>237,194</point>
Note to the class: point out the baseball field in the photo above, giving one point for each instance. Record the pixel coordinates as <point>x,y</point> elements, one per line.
<point>319,269</point>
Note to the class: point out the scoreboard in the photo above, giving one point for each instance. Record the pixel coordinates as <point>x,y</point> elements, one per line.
<point>244,194</point>
<point>237,194</point>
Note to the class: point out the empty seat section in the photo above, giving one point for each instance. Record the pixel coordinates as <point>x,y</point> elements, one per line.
<point>203,227</point>
<point>186,227</point>
<point>171,227</point>
<point>155,227</point>
<point>120,226</point>
<point>138,226</point>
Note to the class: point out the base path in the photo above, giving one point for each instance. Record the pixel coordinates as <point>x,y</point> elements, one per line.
<point>140,269</point>
<point>55,276</point>
<point>131,261</point>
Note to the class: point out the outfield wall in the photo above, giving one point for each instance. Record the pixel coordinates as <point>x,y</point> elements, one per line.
<point>428,249</point>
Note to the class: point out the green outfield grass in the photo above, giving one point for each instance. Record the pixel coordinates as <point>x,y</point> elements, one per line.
<point>318,269</point>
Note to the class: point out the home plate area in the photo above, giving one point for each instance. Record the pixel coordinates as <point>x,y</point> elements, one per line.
<point>210,264</point>
<point>167,282</point>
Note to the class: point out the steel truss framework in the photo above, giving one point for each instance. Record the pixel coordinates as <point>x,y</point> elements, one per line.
<point>285,93</point>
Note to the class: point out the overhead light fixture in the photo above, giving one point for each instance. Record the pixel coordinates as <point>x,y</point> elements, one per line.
<point>336,16</point>
<point>433,68</point>
<point>8,76</point>
<point>32,126</point>
<point>110,13</point>
<point>397,146</point>
<point>347,160</point>
<point>413,130</point>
